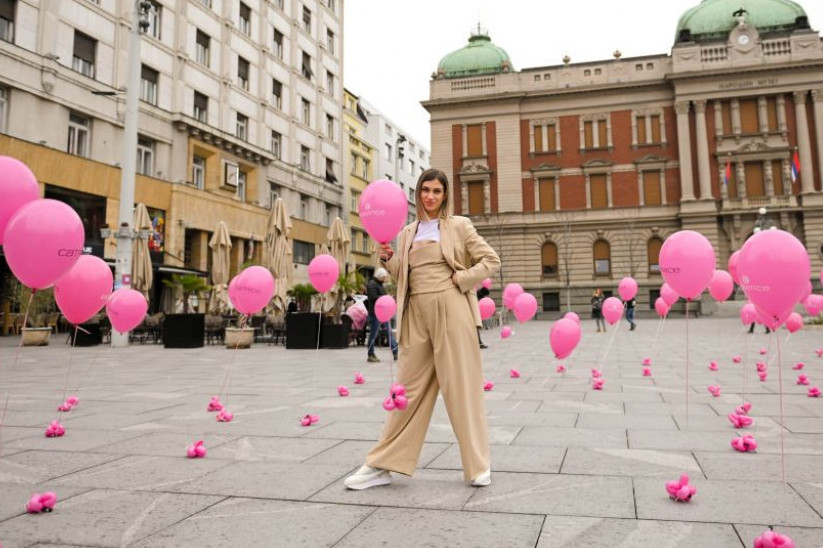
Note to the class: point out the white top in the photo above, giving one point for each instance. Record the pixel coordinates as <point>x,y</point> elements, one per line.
<point>428,230</point>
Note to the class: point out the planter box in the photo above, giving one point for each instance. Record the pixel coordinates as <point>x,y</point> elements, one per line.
<point>301,330</point>
<point>184,330</point>
<point>88,334</point>
<point>239,337</point>
<point>334,335</point>
<point>36,336</point>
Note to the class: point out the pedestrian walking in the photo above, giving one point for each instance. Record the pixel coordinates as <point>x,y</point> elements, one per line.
<point>630,313</point>
<point>597,309</point>
<point>375,290</point>
<point>439,259</point>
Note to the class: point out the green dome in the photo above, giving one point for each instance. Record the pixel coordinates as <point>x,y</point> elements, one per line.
<point>479,56</point>
<point>713,19</point>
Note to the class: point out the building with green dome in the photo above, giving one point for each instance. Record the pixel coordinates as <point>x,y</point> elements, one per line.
<point>577,172</point>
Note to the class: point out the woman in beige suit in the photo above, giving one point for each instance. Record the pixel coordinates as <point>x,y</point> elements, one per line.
<point>440,259</point>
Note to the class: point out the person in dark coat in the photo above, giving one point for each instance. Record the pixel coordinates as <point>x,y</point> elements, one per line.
<point>375,290</point>
<point>481,293</point>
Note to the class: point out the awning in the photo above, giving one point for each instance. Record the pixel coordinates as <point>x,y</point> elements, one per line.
<point>163,269</point>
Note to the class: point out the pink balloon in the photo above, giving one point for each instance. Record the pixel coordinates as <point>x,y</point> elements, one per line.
<point>794,322</point>
<point>18,186</point>
<point>505,332</point>
<point>733,266</point>
<point>126,308</point>
<point>525,306</point>
<point>772,321</point>
<point>324,271</point>
<point>813,304</point>
<point>252,289</point>
<point>487,307</point>
<point>42,242</point>
<point>573,317</point>
<point>668,294</point>
<point>687,263</point>
<point>487,283</point>
<point>510,293</point>
<point>627,288</point>
<point>383,210</point>
<point>612,310</point>
<point>721,285</point>
<point>564,337</point>
<point>661,307</point>
<point>384,308</point>
<point>81,292</point>
<point>774,269</point>
<point>806,292</point>
<point>748,314</point>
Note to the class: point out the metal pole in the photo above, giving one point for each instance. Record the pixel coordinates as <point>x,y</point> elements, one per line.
<point>122,269</point>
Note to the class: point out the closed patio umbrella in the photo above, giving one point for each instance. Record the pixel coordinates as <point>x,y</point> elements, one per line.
<point>220,245</point>
<point>339,243</point>
<point>278,252</point>
<point>141,272</point>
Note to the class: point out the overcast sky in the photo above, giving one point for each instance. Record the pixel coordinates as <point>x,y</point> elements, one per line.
<point>392,47</point>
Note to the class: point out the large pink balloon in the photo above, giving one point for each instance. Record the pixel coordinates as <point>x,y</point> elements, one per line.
<point>525,306</point>
<point>252,289</point>
<point>733,266</point>
<point>510,294</point>
<point>81,292</point>
<point>813,304</point>
<point>573,317</point>
<point>687,263</point>
<point>564,337</point>
<point>748,313</point>
<point>487,283</point>
<point>18,186</point>
<point>721,285</point>
<point>627,288</point>
<point>42,242</point>
<point>612,310</point>
<point>323,272</point>
<point>794,322</point>
<point>772,321</point>
<point>384,308</point>
<point>668,294</point>
<point>806,292</point>
<point>126,308</point>
<point>774,269</point>
<point>487,307</point>
<point>661,307</point>
<point>383,210</point>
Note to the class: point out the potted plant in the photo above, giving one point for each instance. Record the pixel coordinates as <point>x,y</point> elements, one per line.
<point>302,326</point>
<point>335,333</point>
<point>38,310</point>
<point>241,336</point>
<point>186,329</point>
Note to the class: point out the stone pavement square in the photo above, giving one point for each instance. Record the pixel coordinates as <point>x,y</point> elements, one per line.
<point>571,466</point>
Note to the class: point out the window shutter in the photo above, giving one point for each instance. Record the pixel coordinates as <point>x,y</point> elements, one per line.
<point>748,116</point>
<point>476,199</point>
<point>599,196</point>
<point>755,187</point>
<point>641,130</point>
<point>651,188</point>
<point>474,136</point>
<point>546,191</point>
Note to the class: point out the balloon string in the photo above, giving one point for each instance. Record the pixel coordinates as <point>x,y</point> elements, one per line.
<point>68,369</point>
<point>391,359</point>
<point>780,402</point>
<point>687,364</point>
<point>656,337</point>
<point>744,361</point>
<point>227,379</point>
<point>317,348</point>
<point>616,326</point>
<point>25,321</point>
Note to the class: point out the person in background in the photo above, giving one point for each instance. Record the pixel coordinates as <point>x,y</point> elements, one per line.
<point>597,309</point>
<point>292,307</point>
<point>375,290</point>
<point>481,293</point>
<point>630,304</point>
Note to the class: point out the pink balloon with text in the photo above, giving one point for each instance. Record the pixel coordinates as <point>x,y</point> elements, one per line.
<point>323,272</point>
<point>687,263</point>
<point>383,209</point>
<point>126,308</point>
<point>252,289</point>
<point>81,292</point>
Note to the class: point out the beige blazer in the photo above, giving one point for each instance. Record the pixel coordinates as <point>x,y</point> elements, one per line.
<point>464,250</point>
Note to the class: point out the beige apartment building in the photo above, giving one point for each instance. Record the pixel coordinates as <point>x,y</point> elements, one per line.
<point>576,173</point>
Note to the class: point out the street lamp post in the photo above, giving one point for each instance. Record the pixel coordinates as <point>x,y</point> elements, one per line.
<point>122,269</point>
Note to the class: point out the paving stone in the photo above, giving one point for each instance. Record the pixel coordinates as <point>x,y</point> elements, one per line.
<point>106,518</point>
<point>550,406</point>
<point>76,439</point>
<point>563,495</point>
<point>628,462</point>
<point>256,449</point>
<point>161,444</point>
<point>16,495</point>
<point>575,532</point>
<point>801,536</point>
<point>621,422</point>
<point>571,437</point>
<point>243,523</point>
<point>40,466</point>
<point>524,418</point>
<point>759,466</point>
<point>509,458</point>
<point>812,493</point>
<point>412,528</point>
<point>353,453</point>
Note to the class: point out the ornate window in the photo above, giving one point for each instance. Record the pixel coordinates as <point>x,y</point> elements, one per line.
<point>548,260</point>
<point>653,247</point>
<point>602,258</point>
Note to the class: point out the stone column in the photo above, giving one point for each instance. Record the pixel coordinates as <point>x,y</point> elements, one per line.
<point>684,148</point>
<point>803,137</point>
<point>703,168</point>
<point>817,95</point>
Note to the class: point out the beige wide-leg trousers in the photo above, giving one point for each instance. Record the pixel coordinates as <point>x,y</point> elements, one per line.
<point>438,351</point>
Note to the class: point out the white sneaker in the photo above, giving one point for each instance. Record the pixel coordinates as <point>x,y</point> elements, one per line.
<point>367,477</point>
<point>483,479</point>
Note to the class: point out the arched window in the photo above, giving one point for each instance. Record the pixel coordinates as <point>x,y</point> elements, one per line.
<point>653,248</point>
<point>602,258</point>
<point>549,260</point>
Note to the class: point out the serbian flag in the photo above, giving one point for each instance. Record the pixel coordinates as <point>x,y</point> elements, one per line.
<point>728,176</point>
<point>795,167</point>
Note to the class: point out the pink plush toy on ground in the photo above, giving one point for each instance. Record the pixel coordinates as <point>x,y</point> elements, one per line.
<point>770,539</point>
<point>343,391</point>
<point>214,404</point>
<point>359,379</point>
<point>196,450</point>
<point>744,444</point>
<point>802,380</point>
<point>308,420</point>
<point>647,371</point>
<point>560,368</point>
<point>397,398</point>
<point>713,366</point>
<point>597,383</point>
<point>740,421</point>
<point>819,352</point>
<point>799,366</point>
<point>41,502</point>
<point>763,375</point>
<point>225,416</point>
<point>680,490</point>
<point>514,373</point>
<point>55,430</point>
<point>736,359</point>
<point>814,392</point>
<point>714,390</point>
<point>488,385</point>
<point>596,374</point>
<point>69,404</point>
<point>763,351</point>
<point>761,366</point>
<point>647,361</point>
<point>743,409</point>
